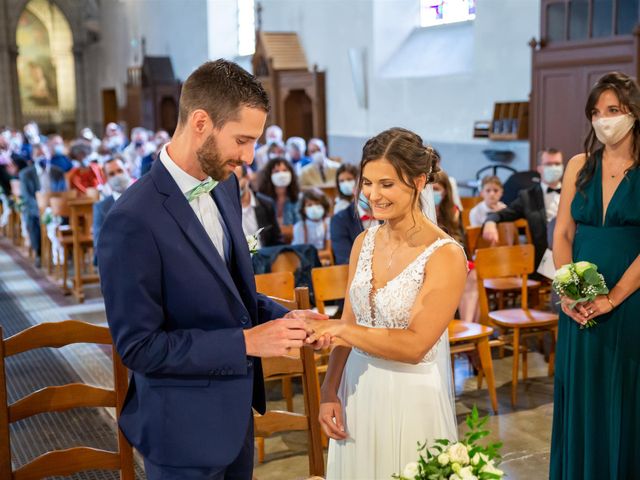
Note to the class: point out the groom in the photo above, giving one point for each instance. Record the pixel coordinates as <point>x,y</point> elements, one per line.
<point>179,290</point>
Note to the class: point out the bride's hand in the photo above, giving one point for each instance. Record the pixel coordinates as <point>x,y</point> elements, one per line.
<point>321,328</point>
<point>331,419</point>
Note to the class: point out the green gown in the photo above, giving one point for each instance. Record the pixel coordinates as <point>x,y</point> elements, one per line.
<point>596,418</point>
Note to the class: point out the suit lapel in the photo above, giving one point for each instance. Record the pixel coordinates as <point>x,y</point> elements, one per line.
<point>178,207</point>
<point>239,248</point>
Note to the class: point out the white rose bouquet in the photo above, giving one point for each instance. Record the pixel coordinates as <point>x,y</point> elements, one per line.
<point>464,460</point>
<point>580,282</point>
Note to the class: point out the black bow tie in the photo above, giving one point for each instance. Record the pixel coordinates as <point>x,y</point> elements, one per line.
<point>549,190</point>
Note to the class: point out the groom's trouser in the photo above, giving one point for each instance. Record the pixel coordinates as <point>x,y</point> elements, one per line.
<point>240,469</point>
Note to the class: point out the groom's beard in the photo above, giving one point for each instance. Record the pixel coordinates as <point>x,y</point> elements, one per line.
<point>210,160</point>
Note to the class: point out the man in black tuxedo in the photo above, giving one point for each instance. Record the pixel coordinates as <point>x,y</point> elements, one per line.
<point>537,204</point>
<point>258,211</point>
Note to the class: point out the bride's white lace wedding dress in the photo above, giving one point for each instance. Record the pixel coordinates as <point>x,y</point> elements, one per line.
<point>390,406</point>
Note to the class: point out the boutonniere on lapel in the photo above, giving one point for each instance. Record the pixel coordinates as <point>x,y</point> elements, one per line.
<point>253,242</point>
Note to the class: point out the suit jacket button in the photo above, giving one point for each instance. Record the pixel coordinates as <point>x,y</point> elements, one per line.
<point>244,320</point>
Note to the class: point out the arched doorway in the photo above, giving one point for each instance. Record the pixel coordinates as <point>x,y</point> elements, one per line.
<point>298,111</point>
<point>46,69</point>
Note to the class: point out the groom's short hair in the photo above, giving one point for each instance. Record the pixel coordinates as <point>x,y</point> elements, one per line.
<point>220,88</point>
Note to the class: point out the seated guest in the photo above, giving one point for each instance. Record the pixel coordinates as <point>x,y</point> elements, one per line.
<point>296,148</point>
<point>160,139</point>
<point>273,134</point>
<point>119,180</point>
<point>139,148</point>
<point>538,204</point>
<point>313,229</point>
<point>39,176</point>
<point>32,138</point>
<point>114,138</point>
<point>316,145</point>
<point>58,153</point>
<point>454,185</point>
<point>320,172</point>
<point>491,193</point>
<point>448,214</point>
<point>258,212</point>
<point>88,174</point>
<point>87,135</point>
<point>279,182</point>
<point>346,177</point>
<point>346,225</point>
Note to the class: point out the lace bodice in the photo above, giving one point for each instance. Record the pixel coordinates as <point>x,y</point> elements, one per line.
<point>389,306</point>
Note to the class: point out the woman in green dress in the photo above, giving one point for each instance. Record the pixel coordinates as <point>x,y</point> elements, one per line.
<point>596,420</point>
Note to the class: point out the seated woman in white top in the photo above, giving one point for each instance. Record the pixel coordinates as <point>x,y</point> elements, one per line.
<point>491,193</point>
<point>313,229</point>
<point>346,178</point>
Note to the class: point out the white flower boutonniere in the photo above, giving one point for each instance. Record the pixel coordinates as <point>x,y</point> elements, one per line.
<point>253,242</point>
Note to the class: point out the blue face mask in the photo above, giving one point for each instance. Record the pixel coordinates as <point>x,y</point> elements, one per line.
<point>437,198</point>
<point>363,203</point>
<point>314,212</point>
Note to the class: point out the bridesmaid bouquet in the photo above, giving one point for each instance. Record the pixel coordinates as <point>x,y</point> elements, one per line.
<point>580,282</point>
<point>464,460</point>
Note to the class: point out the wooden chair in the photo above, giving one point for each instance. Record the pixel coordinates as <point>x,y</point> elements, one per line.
<point>508,234</point>
<point>326,254</point>
<point>274,421</point>
<point>469,337</point>
<point>59,398</point>
<point>467,204</point>
<point>279,284</point>
<point>513,261</point>
<point>329,283</point>
<point>80,222</point>
<point>286,262</point>
<point>42,200</point>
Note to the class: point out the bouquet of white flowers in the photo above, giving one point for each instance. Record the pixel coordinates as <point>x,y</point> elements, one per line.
<point>580,282</point>
<point>464,460</point>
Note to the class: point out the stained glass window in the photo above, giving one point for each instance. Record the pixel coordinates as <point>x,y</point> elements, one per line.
<point>438,12</point>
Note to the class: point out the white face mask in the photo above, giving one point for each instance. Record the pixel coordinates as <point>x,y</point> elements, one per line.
<point>314,212</point>
<point>347,186</point>
<point>281,179</point>
<point>612,129</point>
<point>552,174</point>
<point>119,183</point>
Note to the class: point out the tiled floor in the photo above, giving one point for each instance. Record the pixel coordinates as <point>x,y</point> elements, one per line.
<point>525,430</point>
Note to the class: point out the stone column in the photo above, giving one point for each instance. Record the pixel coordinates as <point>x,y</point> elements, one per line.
<point>82,117</point>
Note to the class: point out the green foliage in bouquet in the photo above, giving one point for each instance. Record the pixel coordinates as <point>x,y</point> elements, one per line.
<point>464,460</point>
<point>580,282</point>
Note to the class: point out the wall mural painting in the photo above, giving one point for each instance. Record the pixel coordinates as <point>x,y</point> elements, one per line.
<point>45,64</point>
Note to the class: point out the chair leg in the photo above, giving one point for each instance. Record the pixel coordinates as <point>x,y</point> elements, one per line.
<point>77,272</point>
<point>484,352</point>
<point>514,373</point>
<point>65,270</point>
<point>260,448</point>
<point>525,364</point>
<point>287,393</point>
<point>480,377</point>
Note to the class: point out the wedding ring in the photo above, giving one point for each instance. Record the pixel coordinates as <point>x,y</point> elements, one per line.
<point>590,312</point>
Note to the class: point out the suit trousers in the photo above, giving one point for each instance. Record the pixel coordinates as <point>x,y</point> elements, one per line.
<point>33,228</point>
<point>240,469</point>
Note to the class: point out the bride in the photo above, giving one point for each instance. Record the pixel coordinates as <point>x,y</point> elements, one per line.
<point>388,383</point>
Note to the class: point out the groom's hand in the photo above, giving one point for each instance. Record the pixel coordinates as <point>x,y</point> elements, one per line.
<point>319,343</point>
<point>275,338</point>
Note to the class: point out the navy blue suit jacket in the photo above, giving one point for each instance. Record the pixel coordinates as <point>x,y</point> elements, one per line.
<point>345,228</point>
<point>177,314</point>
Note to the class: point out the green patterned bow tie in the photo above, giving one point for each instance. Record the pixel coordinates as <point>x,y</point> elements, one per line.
<point>201,189</point>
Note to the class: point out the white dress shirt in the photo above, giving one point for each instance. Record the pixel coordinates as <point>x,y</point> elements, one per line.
<point>249,218</point>
<point>551,201</point>
<point>204,206</point>
<point>317,233</point>
<point>478,214</point>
